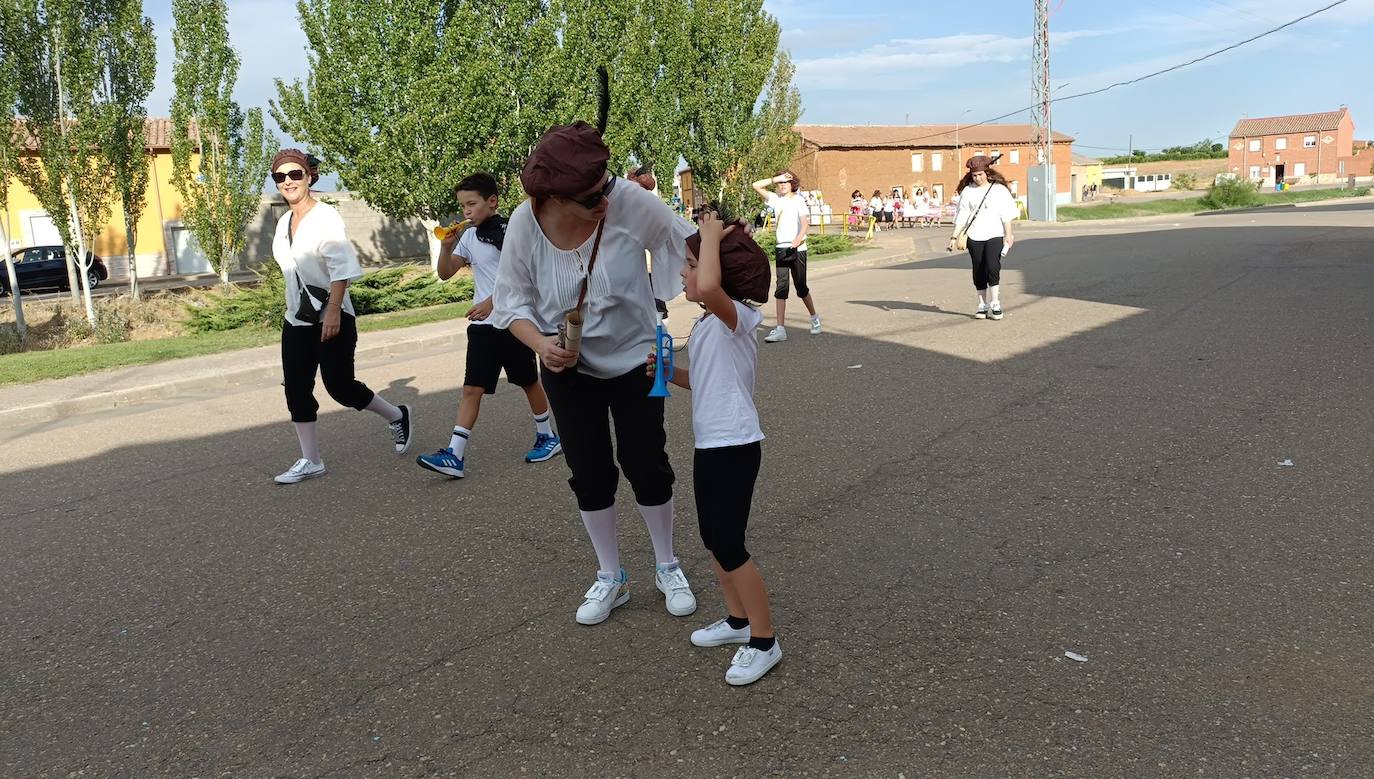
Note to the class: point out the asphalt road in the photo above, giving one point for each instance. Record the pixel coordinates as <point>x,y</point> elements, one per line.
<point>946,507</point>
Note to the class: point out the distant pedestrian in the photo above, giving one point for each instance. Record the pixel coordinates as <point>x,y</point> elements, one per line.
<point>790,252</point>
<point>986,210</point>
<point>320,333</point>
<point>491,350</point>
<point>725,272</point>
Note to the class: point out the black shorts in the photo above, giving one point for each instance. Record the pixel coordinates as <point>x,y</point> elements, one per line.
<point>723,481</point>
<point>491,350</point>
<point>789,260</point>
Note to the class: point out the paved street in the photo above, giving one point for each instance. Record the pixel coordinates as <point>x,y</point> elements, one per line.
<point>946,507</point>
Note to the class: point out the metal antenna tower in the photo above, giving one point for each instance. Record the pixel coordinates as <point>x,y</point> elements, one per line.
<point>1041,136</point>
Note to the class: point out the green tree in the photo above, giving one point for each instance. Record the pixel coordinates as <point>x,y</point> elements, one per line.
<point>9,152</point>
<point>769,142</point>
<point>219,153</point>
<point>56,51</point>
<point>733,44</point>
<point>128,68</point>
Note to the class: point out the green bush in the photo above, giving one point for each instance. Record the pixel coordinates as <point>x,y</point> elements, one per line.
<point>816,245</point>
<point>1185,181</point>
<point>1232,193</point>
<point>390,289</point>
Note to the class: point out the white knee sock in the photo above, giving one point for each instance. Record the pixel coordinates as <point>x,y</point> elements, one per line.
<point>385,410</point>
<point>310,441</point>
<point>543,423</point>
<point>459,442</point>
<point>659,520</point>
<point>983,296</point>
<point>601,529</point>
<point>992,294</point>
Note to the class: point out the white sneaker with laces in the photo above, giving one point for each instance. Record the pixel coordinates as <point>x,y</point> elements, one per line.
<point>302,470</point>
<point>750,664</point>
<point>677,593</point>
<point>816,325</point>
<point>719,633</point>
<point>605,594</point>
<point>778,333</point>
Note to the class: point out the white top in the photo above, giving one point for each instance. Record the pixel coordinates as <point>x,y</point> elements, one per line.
<point>790,210</point>
<point>723,368</point>
<point>484,259</point>
<point>539,282</point>
<point>876,204</point>
<point>320,254</point>
<point>987,224</point>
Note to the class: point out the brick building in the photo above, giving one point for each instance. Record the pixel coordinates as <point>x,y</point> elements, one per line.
<point>1298,149</point>
<point>839,159</point>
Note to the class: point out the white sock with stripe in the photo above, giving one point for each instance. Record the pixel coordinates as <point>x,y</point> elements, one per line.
<point>543,423</point>
<point>459,442</point>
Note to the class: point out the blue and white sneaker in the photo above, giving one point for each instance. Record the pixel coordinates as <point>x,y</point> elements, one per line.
<point>442,461</point>
<point>546,447</point>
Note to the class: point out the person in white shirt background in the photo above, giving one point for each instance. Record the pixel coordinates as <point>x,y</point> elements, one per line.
<point>790,255</point>
<point>320,332</point>
<point>725,271</point>
<point>986,211</point>
<point>585,231</point>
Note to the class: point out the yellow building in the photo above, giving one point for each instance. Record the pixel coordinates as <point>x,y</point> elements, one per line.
<point>1085,172</point>
<point>164,246</point>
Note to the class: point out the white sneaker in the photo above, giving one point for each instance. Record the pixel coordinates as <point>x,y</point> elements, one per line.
<point>677,593</point>
<point>302,470</point>
<point>982,312</point>
<point>605,595</point>
<point>750,664</point>
<point>778,333</point>
<point>719,633</point>
<point>816,325</point>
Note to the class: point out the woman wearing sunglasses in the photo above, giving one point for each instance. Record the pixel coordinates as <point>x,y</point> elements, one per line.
<point>320,333</point>
<point>577,245</point>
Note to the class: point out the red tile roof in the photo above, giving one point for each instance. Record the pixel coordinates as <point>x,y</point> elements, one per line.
<point>917,135</point>
<point>157,131</point>
<point>1289,125</point>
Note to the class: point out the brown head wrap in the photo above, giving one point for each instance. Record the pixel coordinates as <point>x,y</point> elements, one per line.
<point>744,271</point>
<point>979,162</point>
<point>300,158</point>
<point>569,160</point>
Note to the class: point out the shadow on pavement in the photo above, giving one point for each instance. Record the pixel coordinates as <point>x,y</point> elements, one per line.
<point>936,531</point>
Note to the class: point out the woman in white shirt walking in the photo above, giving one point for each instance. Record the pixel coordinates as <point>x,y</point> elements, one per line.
<point>320,332</point>
<point>578,244</point>
<point>985,213</point>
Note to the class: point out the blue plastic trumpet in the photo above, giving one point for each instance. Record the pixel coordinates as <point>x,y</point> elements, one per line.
<point>664,368</point>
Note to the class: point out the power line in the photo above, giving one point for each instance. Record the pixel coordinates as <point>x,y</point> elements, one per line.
<point>1139,79</point>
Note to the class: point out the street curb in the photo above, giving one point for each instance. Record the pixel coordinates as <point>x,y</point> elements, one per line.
<point>146,394</point>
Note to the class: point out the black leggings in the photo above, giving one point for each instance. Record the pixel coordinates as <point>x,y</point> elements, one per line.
<point>987,262</point>
<point>584,407</point>
<point>302,353</point>
<point>723,480</point>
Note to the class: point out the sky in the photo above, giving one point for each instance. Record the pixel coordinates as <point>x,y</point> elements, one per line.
<point>947,62</point>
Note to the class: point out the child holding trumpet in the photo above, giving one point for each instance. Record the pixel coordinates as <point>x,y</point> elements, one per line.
<point>477,242</point>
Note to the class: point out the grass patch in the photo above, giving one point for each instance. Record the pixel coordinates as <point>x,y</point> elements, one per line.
<point>1193,205</point>
<point>27,367</point>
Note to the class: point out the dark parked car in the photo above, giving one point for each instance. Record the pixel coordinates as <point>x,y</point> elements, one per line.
<point>40,267</point>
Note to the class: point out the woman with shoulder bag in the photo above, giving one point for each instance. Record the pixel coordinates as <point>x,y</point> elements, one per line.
<point>320,332</point>
<point>982,224</point>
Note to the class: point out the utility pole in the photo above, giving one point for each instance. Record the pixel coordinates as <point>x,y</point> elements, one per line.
<point>1041,134</point>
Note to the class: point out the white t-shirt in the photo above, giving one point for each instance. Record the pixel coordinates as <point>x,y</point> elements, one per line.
<point>1000,205</point>
<point>484,259</point>
<point>790,210</point>
<point>723,368</point>
<point>875,205</point>
<point>539,282</point>
<point>320,254</point>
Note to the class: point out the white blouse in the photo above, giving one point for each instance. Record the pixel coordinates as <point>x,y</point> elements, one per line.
<point>999,207</point>
<point>320,254</point>
<point>539,282</point>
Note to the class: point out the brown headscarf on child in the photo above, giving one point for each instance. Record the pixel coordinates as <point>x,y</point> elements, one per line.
<point>744,270</point>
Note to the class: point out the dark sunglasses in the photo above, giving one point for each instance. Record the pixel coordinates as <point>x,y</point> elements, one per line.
<point>294,175</point>
<point>592,202</point>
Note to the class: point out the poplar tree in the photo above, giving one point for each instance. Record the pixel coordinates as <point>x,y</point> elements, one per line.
<point>220,153</point>
<point>9,153</point>
<point>768,143</point>
<point>128,68</point>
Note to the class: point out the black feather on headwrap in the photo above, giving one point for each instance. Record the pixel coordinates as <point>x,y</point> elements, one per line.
<point>603,108</point>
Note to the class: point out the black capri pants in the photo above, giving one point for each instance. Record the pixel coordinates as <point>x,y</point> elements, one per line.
<point>987,262</point>
<point>793,260</point>
<point>303,353</point>
<point>723,481</point>
<point>584,407</point>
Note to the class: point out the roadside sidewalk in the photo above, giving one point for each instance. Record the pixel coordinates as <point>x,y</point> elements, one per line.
<point>25,405</point>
